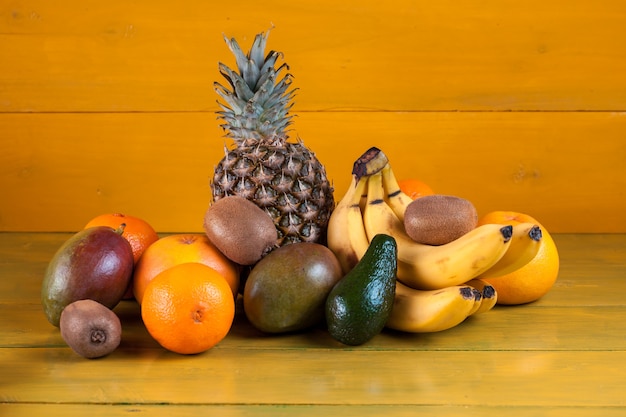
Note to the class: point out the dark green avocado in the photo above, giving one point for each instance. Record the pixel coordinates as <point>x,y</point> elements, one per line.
<point>359,305</point>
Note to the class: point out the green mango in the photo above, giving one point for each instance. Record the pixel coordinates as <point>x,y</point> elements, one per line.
<point>286,290</point>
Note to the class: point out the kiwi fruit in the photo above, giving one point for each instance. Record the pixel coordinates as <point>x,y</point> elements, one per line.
<point>91,329</point>
<point>439,219</point>
<point>240,229</point>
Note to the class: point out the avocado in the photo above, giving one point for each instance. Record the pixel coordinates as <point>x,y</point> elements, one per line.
<point>359,305</point>
<point>95,263</point>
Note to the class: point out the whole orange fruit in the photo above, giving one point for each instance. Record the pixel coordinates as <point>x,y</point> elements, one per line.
<point>188,308</point>
<point>177,249</point>
<point>415,188</point>
<point>138,232</point>
<point>533,280</point>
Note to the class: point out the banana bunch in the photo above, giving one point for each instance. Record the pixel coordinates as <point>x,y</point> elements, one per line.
<point>437,287</point>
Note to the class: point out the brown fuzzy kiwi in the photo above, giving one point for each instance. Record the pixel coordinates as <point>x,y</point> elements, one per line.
<point>91,329</point>
<point>240,229</point>
<point>439,219</point>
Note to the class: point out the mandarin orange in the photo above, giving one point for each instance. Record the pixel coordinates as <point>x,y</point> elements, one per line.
<point>138,232</point>
<point>188,308</point>
<point>415,188</point>
<point>181,248</point>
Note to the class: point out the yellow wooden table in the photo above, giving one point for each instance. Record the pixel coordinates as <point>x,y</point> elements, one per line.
<point>110,106</point>
<point>563,355</point>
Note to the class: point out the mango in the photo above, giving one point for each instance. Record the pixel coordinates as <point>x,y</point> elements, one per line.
<point>286,290</point>
<point>95,263</point>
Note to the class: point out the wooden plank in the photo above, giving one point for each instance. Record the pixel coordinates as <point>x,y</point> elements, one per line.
<point>23,261</point>
<point>589,292</point>
<point>444,55</point>
<point>557,357</point>
<point>113,163</point>
<point>591,271</point>
<point>523,328</point>
<point>24,257</point>
<point>279,410</point>
<point>325,377</point>
<point>57,171</point>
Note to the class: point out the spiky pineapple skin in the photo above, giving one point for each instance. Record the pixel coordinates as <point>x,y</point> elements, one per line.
<point>283,178</point>
<point>287,181</point>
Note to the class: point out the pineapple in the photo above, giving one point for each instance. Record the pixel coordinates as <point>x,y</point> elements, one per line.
<point>283,178</point>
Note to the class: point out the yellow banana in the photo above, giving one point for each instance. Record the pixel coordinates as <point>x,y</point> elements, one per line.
<point>419,311</point>
<point>395,197</point>
<point>478,299</point>
<point>346,235</point>
<point>371,162</point>
<point>525,243</point>
<point>429,267</point>
<point>489,295</point>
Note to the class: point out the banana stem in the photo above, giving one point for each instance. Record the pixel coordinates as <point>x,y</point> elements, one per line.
<point>371,162</point>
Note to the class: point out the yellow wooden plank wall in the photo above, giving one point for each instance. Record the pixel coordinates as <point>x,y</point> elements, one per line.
<point>109,106</point>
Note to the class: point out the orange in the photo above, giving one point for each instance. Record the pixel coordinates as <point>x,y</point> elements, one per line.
<point>415,188</point>
<point>188,308</point>
<point>181,248</point>
<point>138,232</point>
<point>533,280</point>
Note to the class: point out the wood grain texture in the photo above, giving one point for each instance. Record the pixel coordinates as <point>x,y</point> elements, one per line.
<point>260,410</point>
<point>317,377</point>
<point>57,171</point>
<point>24,257</point>
<point>518,106</point>
<point>559,356</point>
<point>77,56</point>
<point>604,327</point>
<point>514,105</point>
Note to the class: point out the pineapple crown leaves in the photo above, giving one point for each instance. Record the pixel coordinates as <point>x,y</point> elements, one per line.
<point>257,104</point>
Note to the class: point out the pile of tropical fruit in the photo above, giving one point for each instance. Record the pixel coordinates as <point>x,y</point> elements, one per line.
<point>388,254</point>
